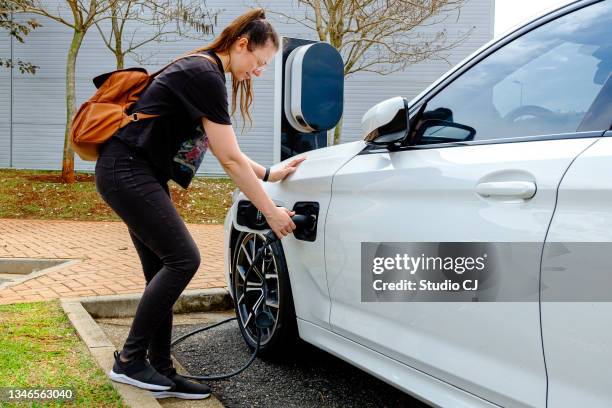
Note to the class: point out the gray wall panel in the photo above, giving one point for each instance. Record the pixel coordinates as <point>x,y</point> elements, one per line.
<point>39,102</point>
<point>5,76</point>
<point>5,144</point>
<point>5,102</point>
<point>37,147</point>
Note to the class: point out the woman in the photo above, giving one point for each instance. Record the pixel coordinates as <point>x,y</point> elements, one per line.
<point>136,163</point>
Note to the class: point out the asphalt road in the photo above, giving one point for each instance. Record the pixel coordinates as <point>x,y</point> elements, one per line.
<point>313,378</point>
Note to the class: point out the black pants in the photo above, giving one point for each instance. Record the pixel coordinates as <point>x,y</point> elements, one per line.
<point>168,253</point>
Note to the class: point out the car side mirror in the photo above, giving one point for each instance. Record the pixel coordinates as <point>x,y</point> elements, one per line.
<point>387,122</point>
<point>443,131</point>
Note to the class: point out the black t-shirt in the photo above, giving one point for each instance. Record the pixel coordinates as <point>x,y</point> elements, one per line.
<point>184,93</point>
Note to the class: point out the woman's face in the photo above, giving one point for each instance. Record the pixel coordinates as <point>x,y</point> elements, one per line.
<point>245,63</point>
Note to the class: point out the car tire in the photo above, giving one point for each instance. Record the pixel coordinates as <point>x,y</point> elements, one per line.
<point>283,337</point>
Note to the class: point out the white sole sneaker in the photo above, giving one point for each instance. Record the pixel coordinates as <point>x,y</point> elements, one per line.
<point>122,378</point>
<point>174,394</point>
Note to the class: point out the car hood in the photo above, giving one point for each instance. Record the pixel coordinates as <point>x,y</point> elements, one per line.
<point>322,163</point>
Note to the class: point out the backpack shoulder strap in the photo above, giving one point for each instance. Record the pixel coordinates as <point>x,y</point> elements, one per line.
<point>135,117</point>
<point>208,57</point>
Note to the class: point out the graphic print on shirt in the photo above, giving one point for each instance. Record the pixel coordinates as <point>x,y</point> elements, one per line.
<point>189,157</point>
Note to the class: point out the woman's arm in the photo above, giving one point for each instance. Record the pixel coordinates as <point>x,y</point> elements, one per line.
<point>258,169</point>
<point>223,144</point>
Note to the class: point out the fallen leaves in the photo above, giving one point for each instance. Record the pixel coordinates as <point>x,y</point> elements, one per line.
<point>41,195</point>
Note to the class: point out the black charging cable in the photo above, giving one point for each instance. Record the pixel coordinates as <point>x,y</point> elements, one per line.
<point>263,319</point>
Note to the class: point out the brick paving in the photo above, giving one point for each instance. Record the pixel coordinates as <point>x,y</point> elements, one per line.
<point>108,263</point>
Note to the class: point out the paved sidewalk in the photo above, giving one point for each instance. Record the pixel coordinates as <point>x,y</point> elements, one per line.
<point>108,261</point>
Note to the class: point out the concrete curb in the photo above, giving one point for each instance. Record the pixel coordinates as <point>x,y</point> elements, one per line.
<point>204,300</point>
<point>81,312</point>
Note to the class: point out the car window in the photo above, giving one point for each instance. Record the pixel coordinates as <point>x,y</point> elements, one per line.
<point>541,83</point>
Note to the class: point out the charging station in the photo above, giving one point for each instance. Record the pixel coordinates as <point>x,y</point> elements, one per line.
<point>308,96</point>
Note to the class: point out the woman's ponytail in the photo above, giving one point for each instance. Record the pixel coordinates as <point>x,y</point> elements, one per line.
<point>254,26</point>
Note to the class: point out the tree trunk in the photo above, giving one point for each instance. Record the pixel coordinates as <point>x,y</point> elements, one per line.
<point>118,34</point>
<point>338,131</point>
<point>120,58</point>
<point>68,158</point>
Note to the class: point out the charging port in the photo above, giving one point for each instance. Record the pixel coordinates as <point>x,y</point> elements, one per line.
<point>249,216</point>
<point>311,210</point>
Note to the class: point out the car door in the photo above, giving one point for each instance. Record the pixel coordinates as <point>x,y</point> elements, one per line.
<point>576,297</point>
<point>529,103</point>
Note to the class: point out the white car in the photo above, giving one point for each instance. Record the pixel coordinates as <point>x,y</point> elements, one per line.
<point>511,146</point>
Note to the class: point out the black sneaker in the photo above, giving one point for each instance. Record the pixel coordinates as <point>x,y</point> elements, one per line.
<point>184,389</point>
<point>139,373</point>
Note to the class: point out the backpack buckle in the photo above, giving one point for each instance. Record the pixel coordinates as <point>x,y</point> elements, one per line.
<point>134,117</point>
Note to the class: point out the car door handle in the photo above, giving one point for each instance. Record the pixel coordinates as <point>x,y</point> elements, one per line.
<point>521,189</point>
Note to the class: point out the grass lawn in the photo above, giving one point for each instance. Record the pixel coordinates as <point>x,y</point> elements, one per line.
<point>35,194</point>
<point>40,349</point>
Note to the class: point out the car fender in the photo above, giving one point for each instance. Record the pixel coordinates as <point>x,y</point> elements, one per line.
<point>312,181</point>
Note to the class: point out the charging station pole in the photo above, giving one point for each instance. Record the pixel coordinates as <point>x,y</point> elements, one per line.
<point>278,102</point>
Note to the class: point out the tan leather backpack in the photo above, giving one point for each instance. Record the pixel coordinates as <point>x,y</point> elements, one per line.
<point>105,112</point>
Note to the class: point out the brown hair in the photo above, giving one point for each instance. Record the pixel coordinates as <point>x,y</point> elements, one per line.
<point>254,26</point>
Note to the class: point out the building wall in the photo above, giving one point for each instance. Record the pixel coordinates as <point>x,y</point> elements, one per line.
<point>38,102</point>
<point>5,103</point>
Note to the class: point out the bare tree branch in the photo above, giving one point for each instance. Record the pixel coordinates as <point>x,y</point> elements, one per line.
<point>306,21</point>
<point>169,19</point>
<point>156,37</point>
<point>34,8</point>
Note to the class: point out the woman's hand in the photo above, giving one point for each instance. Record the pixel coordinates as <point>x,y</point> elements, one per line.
<point>280,174</point>
<point>279,220</point>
